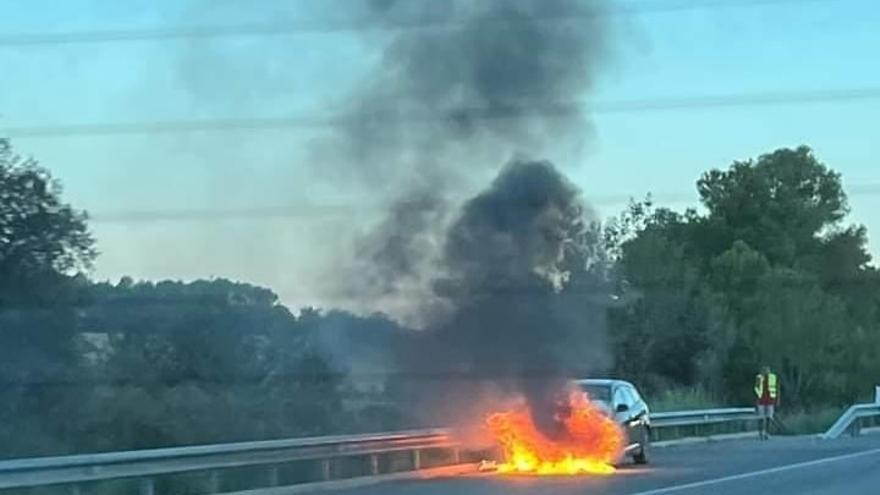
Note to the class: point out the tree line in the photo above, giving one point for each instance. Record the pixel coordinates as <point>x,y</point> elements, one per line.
<point>765,271</point>
<point>95,366</point>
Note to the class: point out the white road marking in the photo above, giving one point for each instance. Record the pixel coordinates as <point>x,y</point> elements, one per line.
<point>753,474</point>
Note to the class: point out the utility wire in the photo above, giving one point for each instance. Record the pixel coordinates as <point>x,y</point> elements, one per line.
<point>341,210</point>
<point>476,113</point>
<point>306,26</point>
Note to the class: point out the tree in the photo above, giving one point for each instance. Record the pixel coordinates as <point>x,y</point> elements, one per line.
<point>42,238</point>
<point>199,362</point>
<point>801,331</point>
<point>777,204</point>
<point>44,244</point>
<point>768,274</point>
<point>660,334</point>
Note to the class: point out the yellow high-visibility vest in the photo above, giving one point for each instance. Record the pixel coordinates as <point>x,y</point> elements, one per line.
<point>771,385</point>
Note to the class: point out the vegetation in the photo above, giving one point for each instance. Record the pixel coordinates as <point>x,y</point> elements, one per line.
<point>96,366</point>
<point>766,272</point>
<point>808,422</point>
<point>680,399</point>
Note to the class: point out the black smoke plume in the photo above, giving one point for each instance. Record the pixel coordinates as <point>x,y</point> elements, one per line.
<point>476,79</point>
<point>461,87</point>
<point>512,263</point>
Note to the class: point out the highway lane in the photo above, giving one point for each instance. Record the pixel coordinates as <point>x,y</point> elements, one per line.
<point>781,466</point>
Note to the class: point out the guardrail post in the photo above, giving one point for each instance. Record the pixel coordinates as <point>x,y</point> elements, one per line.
<point>213,482</point>
<point>456,455</point>
<point>146,487</point>
<point>325,469</point>
<point>416,460</point>
<point>273,476</point>
<point>374,464</point>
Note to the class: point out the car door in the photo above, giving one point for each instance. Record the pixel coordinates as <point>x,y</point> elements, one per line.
<point>624,412</point>
<point>640,407</point>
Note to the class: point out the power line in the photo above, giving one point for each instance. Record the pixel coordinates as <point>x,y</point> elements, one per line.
<point>341,210</point>
<point>741,99</point>
<point>306,27</point>
<point>476,113</point>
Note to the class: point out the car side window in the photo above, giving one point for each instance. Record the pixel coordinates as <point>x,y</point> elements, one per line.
<point>634,396</point>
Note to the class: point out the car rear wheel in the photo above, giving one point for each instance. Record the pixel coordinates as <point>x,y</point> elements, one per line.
<point>642,455</point>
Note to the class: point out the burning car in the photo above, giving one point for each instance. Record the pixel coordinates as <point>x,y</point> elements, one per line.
<point>621,400</point>
<point>594,424</point>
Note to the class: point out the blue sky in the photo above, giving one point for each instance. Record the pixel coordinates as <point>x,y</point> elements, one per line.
<point>775,47</point>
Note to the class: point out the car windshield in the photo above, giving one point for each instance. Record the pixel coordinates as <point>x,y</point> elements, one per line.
<point>597,392</point>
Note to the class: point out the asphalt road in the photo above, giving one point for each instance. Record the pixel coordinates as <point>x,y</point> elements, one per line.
<point>780,466</point>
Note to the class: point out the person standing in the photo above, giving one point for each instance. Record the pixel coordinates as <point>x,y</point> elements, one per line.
<point>767,396</point>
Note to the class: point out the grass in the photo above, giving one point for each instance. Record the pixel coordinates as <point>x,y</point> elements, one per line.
<point>682,399</point>
<point>808,422</point>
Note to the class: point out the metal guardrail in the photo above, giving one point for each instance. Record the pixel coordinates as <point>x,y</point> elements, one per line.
<point>145,465</point>
<point>702,417</point>
<point>701,422</point>
<point>850,420</point>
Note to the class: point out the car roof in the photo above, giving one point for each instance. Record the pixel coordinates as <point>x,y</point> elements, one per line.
<point>603,382</point>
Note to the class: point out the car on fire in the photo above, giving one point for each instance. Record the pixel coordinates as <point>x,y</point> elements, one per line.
<point>622,401</point>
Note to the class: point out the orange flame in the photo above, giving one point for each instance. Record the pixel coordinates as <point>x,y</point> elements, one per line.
<point>590,443</point>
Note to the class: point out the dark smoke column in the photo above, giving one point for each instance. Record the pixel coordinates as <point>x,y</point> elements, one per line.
<point>473,83</point>
<point>460,87</point>
<point>509,260</point>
